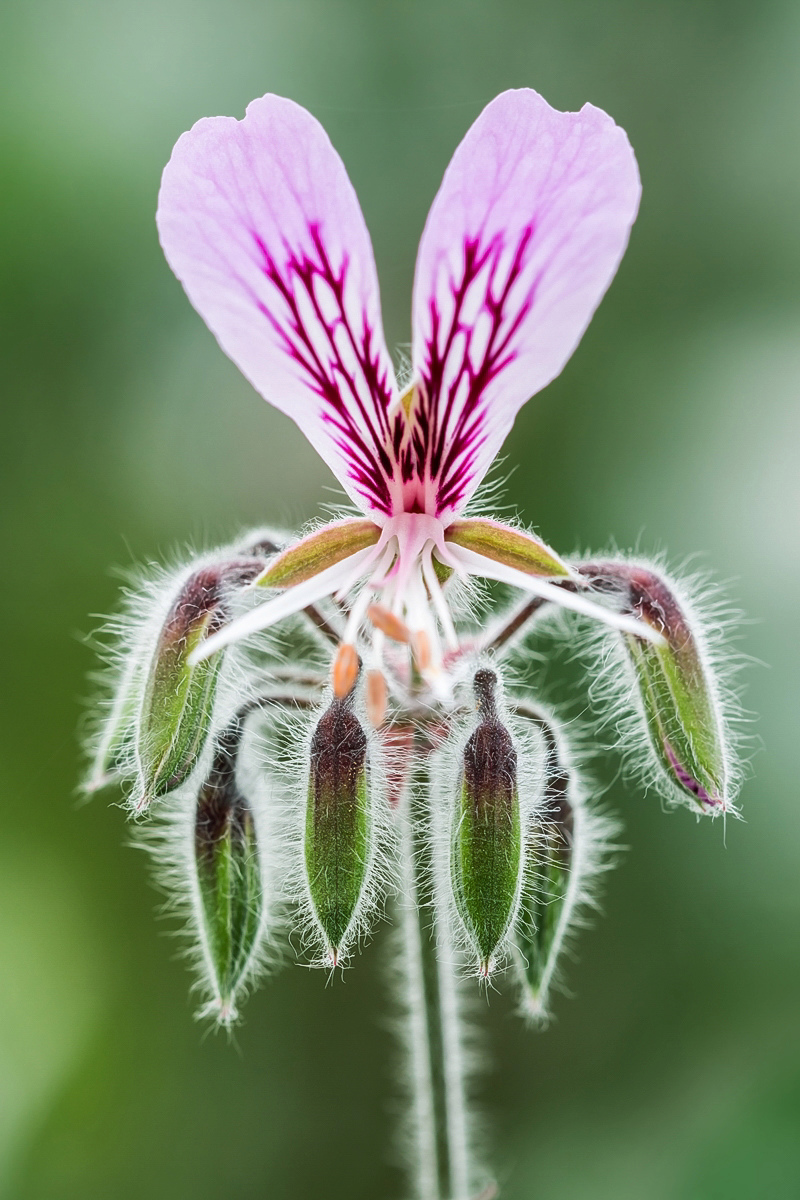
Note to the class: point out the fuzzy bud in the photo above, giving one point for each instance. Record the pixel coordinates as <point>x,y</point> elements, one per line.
<point>228,876</point>
<point>113,751</point>
<point>675,686</point>
<point>486,851</point>
<point>178,701</point>
<point>338,833</point>
<point>550,861</point>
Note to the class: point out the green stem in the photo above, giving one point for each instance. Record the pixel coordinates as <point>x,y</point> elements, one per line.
<point>438,1118</point>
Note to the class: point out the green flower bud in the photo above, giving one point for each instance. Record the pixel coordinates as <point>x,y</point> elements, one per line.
<point>550,861</point>
<point>112,756</point>
<point>338,833</point>
<point>228,876</point>
<point>486,849</point>
<point>675,686</point>
<point>175,717</point>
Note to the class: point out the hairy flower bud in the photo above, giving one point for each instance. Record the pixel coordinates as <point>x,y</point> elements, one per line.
<point>228,876</point>
<point>675,686</point>
<point>338,832</point>
<point>175,717</point>
<point>112,752</point>
<point>486,850</point>
<point>550,861</point>
<point>570,844</point>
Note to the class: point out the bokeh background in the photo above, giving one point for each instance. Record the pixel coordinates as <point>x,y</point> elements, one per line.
<point>673,1073</point>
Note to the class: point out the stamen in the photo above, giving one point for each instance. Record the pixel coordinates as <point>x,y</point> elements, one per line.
<point>421,649</point>
<point>376,698</point>
<point>345,670</point>
<point>388,623</point>
<point>439,602</point>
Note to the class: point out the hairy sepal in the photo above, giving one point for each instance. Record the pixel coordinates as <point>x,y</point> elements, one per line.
<point>506,545</point>
<point>317,551</point>
<point>228,875</point>
<point>486,847</point>
<point>177,706</point>
<point>678,695</point>
<point>570,843</point>
<point>345,840</point>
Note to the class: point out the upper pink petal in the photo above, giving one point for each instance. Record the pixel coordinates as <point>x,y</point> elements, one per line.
<point>524,237</point>
<point>261,224</point>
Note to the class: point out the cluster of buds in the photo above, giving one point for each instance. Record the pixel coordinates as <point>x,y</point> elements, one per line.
<point>324,754</point>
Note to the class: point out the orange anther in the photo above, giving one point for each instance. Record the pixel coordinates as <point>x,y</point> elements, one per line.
<point>345,670</point>
<point>388,623</point>
<point>376,698</point>
<point>421,647</point>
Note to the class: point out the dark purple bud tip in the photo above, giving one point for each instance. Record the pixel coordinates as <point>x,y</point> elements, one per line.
<point>710,802</point>
<point>675,684</point>
<point>484,685</point>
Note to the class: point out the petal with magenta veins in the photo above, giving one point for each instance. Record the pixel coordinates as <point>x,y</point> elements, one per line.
<point>318,551</point>
<point>506,545</point>
<point>261,224</point>
<point>524,237</point>
<point>471,563</point>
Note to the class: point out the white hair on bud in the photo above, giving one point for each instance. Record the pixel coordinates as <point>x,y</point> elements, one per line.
<point>289,732</point>
<point>126,642</point>
<point>446,770</point>
<point>594,851</point>
<point>170,841</point>
<point>616,697</point>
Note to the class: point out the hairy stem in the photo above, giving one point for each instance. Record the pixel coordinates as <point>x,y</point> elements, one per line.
<point>434,1036</point>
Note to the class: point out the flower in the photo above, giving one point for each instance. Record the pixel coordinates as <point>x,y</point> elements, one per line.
<point>261,224</point>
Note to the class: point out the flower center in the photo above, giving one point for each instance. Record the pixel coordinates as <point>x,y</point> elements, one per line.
<point>404,603</point>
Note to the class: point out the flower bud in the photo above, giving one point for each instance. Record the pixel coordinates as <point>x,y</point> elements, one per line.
<point>175,717</point>
<point>338,833</point>
<point>550,862</point>
<point>675,686</point>
<point>228,876</point>
<point>570,844</point>
<point>486,851</point>
<point>112,757</point>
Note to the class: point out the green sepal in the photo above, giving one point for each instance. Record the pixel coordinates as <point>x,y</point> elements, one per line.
<point>178,701</point>
<point>176,711</point>
<point>228,877</point>
<point>324,548</point>
<point>503,544</point>
<point>681,717</point>
<point>114,753</point>
<point>441,570</point>
<point>539,930</point>
<point>546,884</point>
<point>338,831</point>
<point>486,847</point>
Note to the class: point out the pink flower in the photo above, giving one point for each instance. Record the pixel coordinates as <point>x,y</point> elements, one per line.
<point>261,224</point>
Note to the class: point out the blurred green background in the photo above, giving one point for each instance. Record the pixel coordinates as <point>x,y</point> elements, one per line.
<point>673,1073</point>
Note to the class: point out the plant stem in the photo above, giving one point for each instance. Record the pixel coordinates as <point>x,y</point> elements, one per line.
<point>438,1118</point>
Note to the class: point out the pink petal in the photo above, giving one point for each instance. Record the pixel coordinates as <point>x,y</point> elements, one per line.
<point>261,224</point>
<point>523,239</point>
